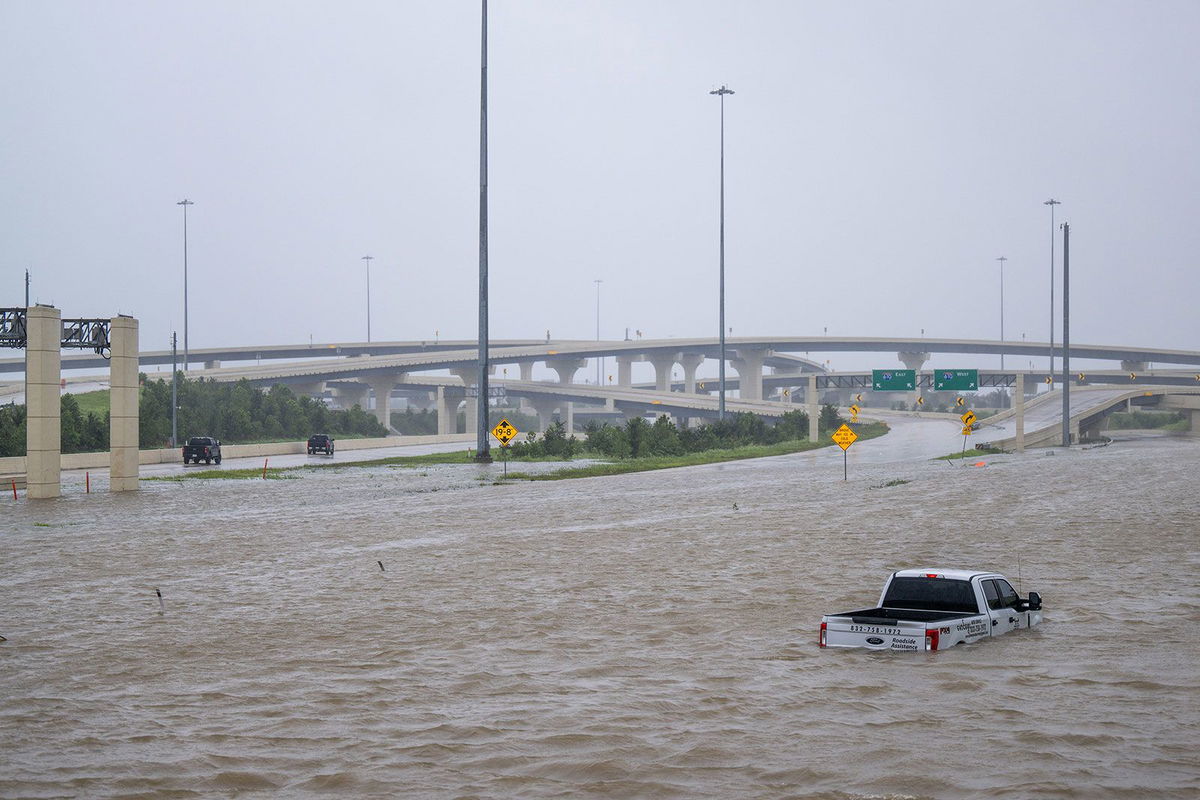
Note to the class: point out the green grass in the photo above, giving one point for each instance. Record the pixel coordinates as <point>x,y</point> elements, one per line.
<point>967,454</point>
<point>694,459</point>
<point>96,402</point>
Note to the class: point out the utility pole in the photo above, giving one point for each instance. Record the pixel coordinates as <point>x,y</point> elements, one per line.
<point>368,260</point>
<point>1066,340</point>
<point>26,290</point>
<point>483,450</point>
<point>174,385</point>
<point>724,90</point>
<point>1052,203</point>
<point>186,353</point>
<point>1002,259</point>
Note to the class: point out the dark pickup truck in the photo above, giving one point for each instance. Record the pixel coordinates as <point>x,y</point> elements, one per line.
<point>320,443</point>
<point>202,447</point>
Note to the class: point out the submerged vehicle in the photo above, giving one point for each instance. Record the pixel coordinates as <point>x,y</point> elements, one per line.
<point>934,609</point>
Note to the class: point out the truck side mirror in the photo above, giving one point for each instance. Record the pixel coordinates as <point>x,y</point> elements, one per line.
<point>1035,601</point>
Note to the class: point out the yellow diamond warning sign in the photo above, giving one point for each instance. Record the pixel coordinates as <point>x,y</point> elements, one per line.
<point>843,437</point>
<point>505,431</point>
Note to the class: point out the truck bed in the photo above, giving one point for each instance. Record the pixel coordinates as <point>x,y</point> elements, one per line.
<point>890,616</point>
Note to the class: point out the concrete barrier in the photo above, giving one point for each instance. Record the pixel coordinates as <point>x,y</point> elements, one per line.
<point>14,466</point>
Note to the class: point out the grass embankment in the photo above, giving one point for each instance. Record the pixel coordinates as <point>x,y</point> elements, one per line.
<point>868,431</point>
<point>972,453</point>
<point>96,402</point>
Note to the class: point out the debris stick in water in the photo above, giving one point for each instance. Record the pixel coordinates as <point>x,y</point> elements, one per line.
<point>162,607</point>
<point>265,460</point>
<point>381,569</point>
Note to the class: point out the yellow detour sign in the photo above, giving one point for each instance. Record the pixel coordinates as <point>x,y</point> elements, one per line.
<point>854,413</point>
<point>968,418</point>
<point>505,431</point>
<point>844,437</point>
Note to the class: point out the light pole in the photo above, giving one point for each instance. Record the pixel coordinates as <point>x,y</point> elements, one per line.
<point>1002,259</point>
<point>483,449</point>
<point>185,203</point>
<point>368,260</point>
<point>1052,203</point>
<point>599,360</point>
<point>721,93</point>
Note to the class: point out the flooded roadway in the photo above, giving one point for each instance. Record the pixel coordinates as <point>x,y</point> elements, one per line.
<point>646,635</point>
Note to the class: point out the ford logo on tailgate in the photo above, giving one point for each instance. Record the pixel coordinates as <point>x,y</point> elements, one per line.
<point>874,640</point>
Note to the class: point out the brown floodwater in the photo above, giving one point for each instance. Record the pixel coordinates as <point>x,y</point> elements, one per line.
<point>648,635</point>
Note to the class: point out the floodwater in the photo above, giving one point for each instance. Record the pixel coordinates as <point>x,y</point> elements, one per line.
<point>649,635</point>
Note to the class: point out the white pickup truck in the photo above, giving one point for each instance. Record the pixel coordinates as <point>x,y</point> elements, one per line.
<point>934,609</point>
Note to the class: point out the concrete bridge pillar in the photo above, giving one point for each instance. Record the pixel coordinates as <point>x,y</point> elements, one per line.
<point>544,407</point>
<point>309,389</point>
<point>526,370</point>
<point>447,413</point>
<point>749,366</point>
<point>690,363</point>
<point>663,363</point>
<point>1133,366</point>
<point>381,387</point>
<point>350,395</point>
<point>913,360</point>
<point>123,400</point>
<point>814,410</point>
<point>470,377</point>
<point>566,369</point>
<point>43,402</point>
<point>1193,416</point>
<point>214,364</point>
<point>624,371</point>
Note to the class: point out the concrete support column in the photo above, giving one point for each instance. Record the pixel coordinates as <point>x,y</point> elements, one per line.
<point>526,370</point>
<point>914,361</point>
<point>814,410</point>
<point>447,420</point>
<point>43,402</point>
<point>566,369</point>
<point>123,401</point>
<point>690,363</point>
<point>1019,399</point>
<point>544,408</point>
<point>350,395</point>
<point>624,371</point>
<point>212,364</point>
<point>381,386</point>
<point>1133,366</point>
<point>749,366</point>
<point>1193,421</point>
<point>310,389</point>
<point>662,363</point>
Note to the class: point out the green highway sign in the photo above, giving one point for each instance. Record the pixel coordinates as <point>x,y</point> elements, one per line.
<point>956,380</point>
<point>893,380</point>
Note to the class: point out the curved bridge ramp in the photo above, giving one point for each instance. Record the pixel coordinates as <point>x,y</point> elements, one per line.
<point>1090,406</point>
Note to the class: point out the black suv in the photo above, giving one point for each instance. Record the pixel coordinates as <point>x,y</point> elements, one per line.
<point>320,443</point>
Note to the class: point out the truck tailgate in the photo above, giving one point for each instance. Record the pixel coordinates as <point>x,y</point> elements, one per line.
<point>845,632</point>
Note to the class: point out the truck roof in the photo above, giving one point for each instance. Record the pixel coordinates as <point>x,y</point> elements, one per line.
<point>941,572</point>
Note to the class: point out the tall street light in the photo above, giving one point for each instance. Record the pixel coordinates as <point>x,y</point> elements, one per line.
<point>483,449</point>
<point>1002,259</point>
<point>599,360</point>
<point>721,93</point>
<point>1052,203</point>
<point>185,203</point>
<point>368,260</point>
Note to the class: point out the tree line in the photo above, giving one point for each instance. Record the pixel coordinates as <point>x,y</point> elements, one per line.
<point>232,412</point>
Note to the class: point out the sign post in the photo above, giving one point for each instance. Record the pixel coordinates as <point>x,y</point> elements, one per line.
<point>505,432</point>
<point>844,437</point>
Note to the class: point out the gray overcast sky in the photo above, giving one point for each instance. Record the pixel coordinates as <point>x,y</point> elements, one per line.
<point>879,157</point>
